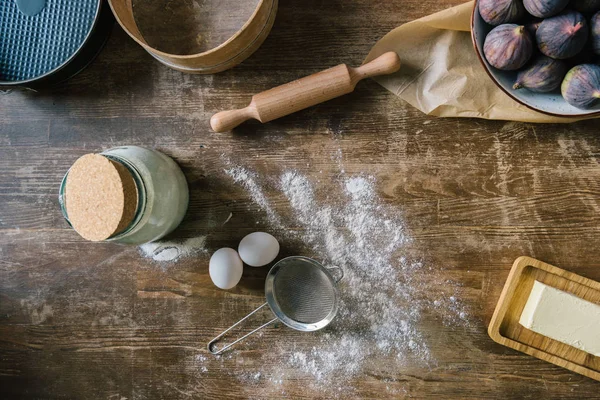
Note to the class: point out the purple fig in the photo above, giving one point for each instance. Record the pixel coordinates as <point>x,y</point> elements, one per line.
<point>595,36</point>
<point>508,47</point>
<point>581,86</point>
<point>562,36</point>
<point>544,74</point>
<point>544,8</point>
<point>586,6</point>
<point>496,12</point>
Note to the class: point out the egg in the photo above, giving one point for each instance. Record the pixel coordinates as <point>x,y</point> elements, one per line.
<point>258,249</point>
<point>225,268</point>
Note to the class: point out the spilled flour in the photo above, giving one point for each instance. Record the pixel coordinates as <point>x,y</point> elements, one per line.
<point>173,250</point>
<point>384,293</point>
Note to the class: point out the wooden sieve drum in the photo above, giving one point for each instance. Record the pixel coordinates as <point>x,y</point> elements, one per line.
<point>206,37</point>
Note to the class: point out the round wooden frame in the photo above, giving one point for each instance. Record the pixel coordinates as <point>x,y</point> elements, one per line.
<point>228,54</point>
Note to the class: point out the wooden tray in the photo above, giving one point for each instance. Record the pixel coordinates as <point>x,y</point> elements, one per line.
<point>505,329</point>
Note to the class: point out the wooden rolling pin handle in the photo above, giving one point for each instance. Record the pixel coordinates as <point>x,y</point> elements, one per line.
<point>305,92</point>
<point>387,63</point>
<point>227,120</point>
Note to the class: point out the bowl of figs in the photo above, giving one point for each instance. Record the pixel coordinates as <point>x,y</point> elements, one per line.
<point>545,54</point>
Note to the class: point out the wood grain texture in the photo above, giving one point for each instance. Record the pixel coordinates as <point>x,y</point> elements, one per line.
<point>505,328</point>
<point>96,320</point>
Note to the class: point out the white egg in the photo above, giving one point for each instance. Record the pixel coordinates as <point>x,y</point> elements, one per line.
<point>258,249</point>
<point>225,268</point>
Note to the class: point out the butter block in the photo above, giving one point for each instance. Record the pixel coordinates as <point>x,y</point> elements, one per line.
<point>564,317</point>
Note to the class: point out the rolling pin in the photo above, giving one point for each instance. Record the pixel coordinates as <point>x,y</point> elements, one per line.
<point>305,92</point>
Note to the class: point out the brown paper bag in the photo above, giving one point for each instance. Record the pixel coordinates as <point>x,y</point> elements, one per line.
<point>441,74</point>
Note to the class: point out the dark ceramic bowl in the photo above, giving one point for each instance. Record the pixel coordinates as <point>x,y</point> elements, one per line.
<point>547,103</point>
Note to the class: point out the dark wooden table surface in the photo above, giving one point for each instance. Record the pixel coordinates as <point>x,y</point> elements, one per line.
<point>83,320</point>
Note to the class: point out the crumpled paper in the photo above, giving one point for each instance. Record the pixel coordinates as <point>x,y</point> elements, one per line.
<point>441,74</point>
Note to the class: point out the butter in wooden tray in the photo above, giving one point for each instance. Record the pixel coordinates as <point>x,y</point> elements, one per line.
<point>564,317</point>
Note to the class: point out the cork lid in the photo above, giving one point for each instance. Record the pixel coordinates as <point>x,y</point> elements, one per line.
<point>100,197</point>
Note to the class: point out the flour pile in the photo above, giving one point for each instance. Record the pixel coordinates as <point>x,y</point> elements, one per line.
<point>171,251</point>
<point>382,294</point>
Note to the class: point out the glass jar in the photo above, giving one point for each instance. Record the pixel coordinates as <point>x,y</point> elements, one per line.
<point>162,192</point>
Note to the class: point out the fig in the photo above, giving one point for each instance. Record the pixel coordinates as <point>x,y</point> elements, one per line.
<point>562,36</point>
<point>581,86</point>
<point>508,47</point>
<point>544,8</point>
<point>544,74</point>
<point>586,6</point>
<point>497,12</point>
<point>595,36</point>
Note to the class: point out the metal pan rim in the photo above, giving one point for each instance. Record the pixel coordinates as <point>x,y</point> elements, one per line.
<point>66,62</point>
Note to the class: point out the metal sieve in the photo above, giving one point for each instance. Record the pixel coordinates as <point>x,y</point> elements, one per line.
<point>300,292</point>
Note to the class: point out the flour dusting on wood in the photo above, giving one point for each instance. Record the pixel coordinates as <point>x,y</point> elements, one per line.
<point>382,295</point>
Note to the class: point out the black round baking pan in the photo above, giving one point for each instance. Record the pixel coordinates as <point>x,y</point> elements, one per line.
<point>45,42</point>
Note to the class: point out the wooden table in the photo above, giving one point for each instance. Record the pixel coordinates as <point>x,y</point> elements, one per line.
<point>81,320</point>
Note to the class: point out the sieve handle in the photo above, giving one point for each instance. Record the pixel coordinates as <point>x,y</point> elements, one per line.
<point>211,344</point>
<point>341,271</point>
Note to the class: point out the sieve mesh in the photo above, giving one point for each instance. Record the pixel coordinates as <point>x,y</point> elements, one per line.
<point>304,293</point>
